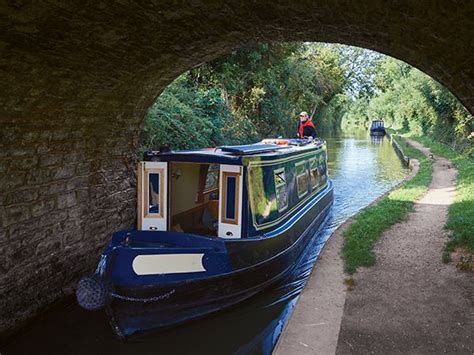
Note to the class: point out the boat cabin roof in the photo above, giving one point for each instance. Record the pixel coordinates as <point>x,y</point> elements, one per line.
<point>238,154</point>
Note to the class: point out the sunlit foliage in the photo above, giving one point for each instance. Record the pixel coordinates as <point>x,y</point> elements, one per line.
<point>409,100</point>
<point>257,92</point>
<point>248,95</point>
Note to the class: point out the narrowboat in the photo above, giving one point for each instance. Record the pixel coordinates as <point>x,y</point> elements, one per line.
<point>377,128</point>
<point>214,227</point>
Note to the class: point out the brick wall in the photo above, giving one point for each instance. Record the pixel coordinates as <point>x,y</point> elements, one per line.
<point>76,81</point>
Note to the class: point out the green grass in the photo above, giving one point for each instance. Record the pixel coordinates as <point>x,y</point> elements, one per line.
<point>461,212</point>
<point>361,236</point>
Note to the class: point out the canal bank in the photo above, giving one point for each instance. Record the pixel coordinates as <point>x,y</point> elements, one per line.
<point>408,302</point>
<point>314,325</point>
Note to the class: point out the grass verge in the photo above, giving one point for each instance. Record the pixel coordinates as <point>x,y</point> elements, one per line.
<point>461,212</point>
<point>361,236</point>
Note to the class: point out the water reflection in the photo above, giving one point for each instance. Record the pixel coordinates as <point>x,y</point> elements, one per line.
<point>377,140</point>
<point>361,169</point>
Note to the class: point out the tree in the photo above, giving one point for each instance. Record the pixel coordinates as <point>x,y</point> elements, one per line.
<point>250,94</point>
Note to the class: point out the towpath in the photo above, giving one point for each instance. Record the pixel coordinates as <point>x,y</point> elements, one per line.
<point>409,302</point>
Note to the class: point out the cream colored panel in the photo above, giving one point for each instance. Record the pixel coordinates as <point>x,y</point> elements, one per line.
<point>154,221</point>
<point>230,230</point>
<point>167,264</point>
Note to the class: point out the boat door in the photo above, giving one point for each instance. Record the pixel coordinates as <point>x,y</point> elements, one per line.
<point>230,197</point>
<point>152,182</point>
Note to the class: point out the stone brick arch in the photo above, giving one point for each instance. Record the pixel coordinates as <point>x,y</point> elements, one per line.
<point>76,80</point>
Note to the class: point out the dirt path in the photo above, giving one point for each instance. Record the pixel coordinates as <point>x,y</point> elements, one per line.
<point>410,302</point>
<point>314,325</point>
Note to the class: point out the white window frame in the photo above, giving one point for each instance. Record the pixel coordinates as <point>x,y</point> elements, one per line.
<point>230,229</point>
<point>146,220</point>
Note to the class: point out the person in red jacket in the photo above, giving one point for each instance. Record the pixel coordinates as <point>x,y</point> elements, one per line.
<point>305,126</point>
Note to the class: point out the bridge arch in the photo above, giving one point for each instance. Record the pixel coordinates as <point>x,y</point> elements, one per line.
<point>77,81</point>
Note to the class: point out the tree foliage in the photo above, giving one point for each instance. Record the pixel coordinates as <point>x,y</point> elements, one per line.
<point>407,99</point>
<point>258,91</point>
<point>250,94</point>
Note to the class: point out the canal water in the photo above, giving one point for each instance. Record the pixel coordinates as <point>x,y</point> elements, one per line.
<point>361,168</point>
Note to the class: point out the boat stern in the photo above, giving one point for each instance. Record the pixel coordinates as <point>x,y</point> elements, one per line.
<point>140,260</point>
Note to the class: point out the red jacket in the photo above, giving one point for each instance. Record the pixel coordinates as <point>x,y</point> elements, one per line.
<point>306,129</point>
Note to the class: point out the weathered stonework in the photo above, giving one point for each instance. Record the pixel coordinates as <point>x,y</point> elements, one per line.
<point>76,81</point>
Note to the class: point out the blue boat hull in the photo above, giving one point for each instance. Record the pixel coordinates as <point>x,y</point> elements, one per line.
<point>138,308</point>
<point>377,132</point>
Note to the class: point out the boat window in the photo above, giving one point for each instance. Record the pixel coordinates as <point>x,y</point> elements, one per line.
<point>301,178</point>
<point>377,124</point>
<point>262,196</point>
<point>208,181</point>
<point>281,189</point>
<point>154,193</point>
<point>212,178</point>
<point>230,203</point>
<point>154,196</point>
<point>322,170</point>
<point>313,173</point>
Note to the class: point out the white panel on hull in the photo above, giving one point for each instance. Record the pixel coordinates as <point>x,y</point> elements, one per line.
<point>167,264</point>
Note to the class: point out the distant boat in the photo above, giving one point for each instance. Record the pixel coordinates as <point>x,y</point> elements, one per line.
<point>215,226</point>
<point>377,128</point>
